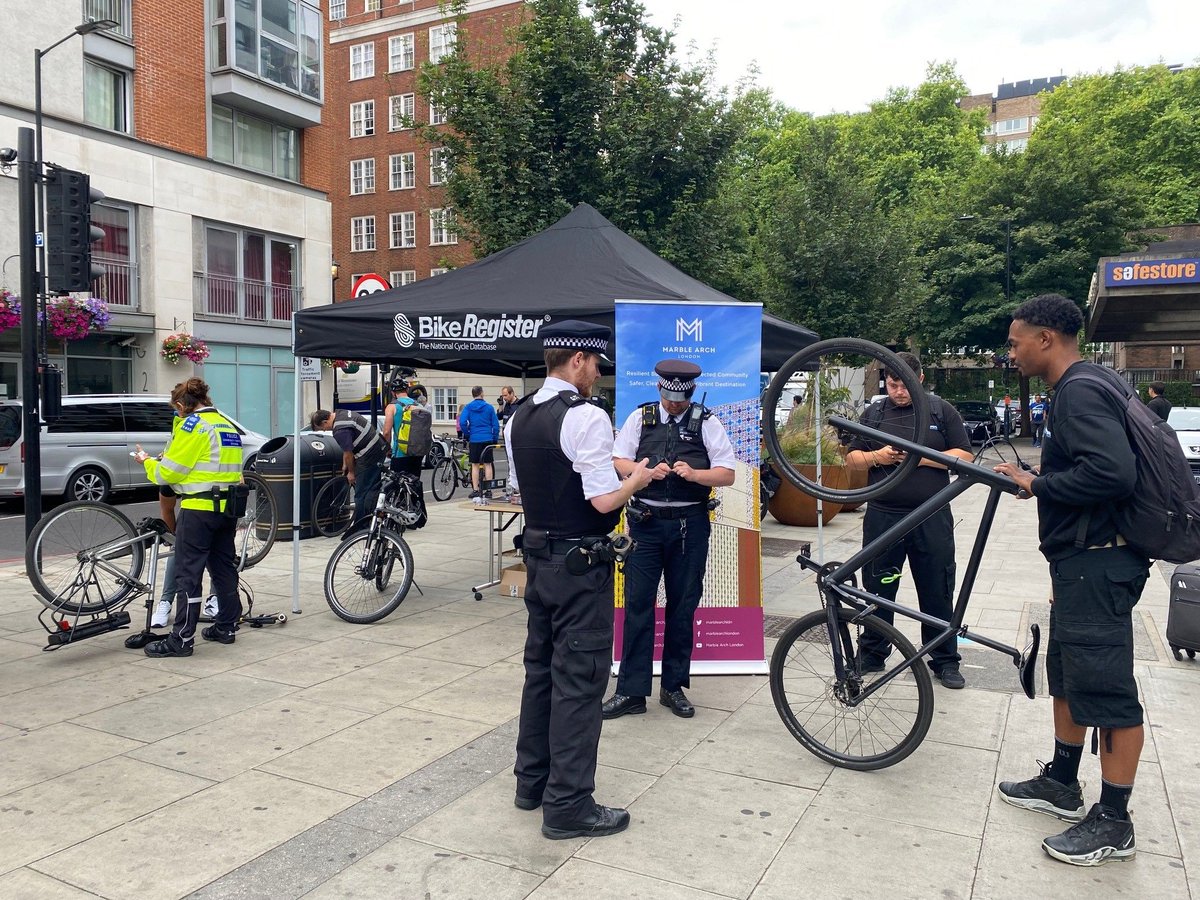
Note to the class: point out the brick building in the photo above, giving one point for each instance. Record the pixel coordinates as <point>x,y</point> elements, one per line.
<point>1013,110</point>
<point>200,126</point>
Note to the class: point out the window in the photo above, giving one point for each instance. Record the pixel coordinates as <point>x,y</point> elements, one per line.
<point>362,61</point>
<point>401,109</point>
<point>403,227</point>
<point>362,176</point>
<point>362,233</point>
<point>445,403</point>
<point>401,278</point>
<point>105,96</point>
<point>370,5</point>
<point>115,254</point>
<point>435,272</point>
<point>116,10</point>
<point>439,166</point>
<point>1009,126</point>
<point>362,118</point>
<point>144,416</point>
<point>437,115</point>
<point>254,143</point>
<point>403,171</point>
<point>401,53</point>
<point>276,41</point>
<point>442,39</point>
<point>337,10</point>
<point>249,275</point>
<point>441,227</point>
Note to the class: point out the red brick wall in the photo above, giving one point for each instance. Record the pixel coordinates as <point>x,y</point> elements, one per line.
<point>168,84</point>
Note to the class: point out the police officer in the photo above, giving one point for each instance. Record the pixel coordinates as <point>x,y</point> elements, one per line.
<point>689,454</point>
<point>561,451</point>
<point>202,463</point>
<point>363,450</point>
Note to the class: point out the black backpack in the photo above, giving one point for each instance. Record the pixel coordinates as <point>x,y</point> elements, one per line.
<point>1161,518</point>
<point>872,416</point>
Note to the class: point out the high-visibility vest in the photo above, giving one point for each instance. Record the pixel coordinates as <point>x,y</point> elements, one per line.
<point>205,453</point>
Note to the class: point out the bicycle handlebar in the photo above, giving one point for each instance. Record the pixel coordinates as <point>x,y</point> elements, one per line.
<point>961,467</point>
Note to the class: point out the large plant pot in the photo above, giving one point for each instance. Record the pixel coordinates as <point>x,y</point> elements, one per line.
<point>856,479</point>
<point>791,506</point>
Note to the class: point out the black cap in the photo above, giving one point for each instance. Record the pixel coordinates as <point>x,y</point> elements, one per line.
<point>574,334</point>
<point>677,378</point>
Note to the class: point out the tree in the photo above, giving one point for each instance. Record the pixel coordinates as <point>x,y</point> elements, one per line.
<point>586,108</point>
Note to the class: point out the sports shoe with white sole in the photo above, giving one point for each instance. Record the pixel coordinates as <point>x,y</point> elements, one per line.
<point>162,614</point>
<point>1094,841</point>
<point>1045,795</point>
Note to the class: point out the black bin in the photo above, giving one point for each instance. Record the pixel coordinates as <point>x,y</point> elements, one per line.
<point>320,460</point>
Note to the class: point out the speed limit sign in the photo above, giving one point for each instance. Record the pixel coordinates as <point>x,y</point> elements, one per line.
<point>370,284</point>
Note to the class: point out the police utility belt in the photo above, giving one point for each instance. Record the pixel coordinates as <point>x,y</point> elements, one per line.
<point>235,497</point>
<point>582,553</point>
<point>639,511</point>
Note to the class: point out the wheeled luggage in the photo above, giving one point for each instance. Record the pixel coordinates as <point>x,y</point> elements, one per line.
<point>1183,615</point>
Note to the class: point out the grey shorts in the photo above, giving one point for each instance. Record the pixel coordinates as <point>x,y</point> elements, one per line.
<point>1089,654</point>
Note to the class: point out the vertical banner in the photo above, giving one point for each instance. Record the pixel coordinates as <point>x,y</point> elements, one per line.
<point>724,339</point>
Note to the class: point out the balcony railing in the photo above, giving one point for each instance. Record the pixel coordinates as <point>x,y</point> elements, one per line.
<point>116,10</point>
<point>1138,377</point>
<point>118,287</point>
<point>246,299</point>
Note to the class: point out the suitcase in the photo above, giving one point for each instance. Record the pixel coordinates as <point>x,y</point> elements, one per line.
<point>1183,614</point>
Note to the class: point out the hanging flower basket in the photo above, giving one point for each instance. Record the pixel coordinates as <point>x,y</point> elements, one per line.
<point>344,364</point>
<point>183,344</point>
<point>72,319</point>
<point>10,310</point>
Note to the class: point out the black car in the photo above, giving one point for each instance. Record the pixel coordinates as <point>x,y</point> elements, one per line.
<point>980,418</point>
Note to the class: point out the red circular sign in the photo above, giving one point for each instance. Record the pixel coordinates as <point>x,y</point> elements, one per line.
<point>370,284</point>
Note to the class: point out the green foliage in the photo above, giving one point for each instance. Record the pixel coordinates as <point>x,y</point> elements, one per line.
<point>1179,393</point>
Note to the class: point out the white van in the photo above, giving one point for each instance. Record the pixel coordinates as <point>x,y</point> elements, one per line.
<point>85,453</point>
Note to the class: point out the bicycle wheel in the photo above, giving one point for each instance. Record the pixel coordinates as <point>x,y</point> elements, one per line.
<point>257,528</point>
<point>823,355</point>
<point>879,732</point>
<point>362,584</point>
<point>444,480</point>
<point>67,564</point>
<point>333,508</point>
<point>996,451</point>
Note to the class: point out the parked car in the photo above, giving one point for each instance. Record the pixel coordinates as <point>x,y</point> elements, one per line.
<point>980,418</point>
<point>1186,422</point>
<point>1014,427</point>
<point>85,452</point>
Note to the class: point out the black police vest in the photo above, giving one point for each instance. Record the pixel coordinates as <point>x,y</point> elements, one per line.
<point>551,490</point>
<point>669,442</point>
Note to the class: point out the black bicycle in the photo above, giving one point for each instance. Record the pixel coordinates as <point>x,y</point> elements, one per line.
<point>997,449</point>
<point>849,717</point>
<point>370,572</point>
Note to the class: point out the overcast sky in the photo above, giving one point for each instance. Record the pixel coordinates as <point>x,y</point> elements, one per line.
<point>840,56</point>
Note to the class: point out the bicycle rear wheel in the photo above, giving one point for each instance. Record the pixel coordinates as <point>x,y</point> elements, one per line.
<point>996,451</point>
<point>368,576</point>
<point>333,508</point>
<point>257,528</point>
<point>63,549</point>
<point>444,480</point>
<point>879,732</point>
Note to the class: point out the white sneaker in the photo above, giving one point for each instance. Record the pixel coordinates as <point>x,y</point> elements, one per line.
<point>210,606</point>
<point>162,614</point>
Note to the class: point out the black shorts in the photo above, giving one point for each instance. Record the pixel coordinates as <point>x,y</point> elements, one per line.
<point>476,454</point>
<point>1089,654</point>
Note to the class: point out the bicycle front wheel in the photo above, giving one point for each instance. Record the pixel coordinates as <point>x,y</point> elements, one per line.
<point>445,480</point>
<point>814,704</point>
<point>368,576</point>
<point>333,508</point>
<point>78,558</point>
<point>256,530</point>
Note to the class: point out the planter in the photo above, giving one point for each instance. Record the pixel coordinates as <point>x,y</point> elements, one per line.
<point>856,479</point>
<point>791,506</point>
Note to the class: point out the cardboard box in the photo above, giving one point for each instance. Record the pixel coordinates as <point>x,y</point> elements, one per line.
<point>512,581</point>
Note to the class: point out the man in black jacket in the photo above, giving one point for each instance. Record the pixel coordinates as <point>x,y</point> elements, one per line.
<point>1158,404</point>
<point>1087,468</point>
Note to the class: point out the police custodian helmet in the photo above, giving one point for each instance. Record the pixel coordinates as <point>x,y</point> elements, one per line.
<point>677,379</point>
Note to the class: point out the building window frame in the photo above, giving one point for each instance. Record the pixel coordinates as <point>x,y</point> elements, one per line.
<point>362,61</point>
<point>113,97</point>
<point>445,403</point>
<point>402,228</point>
<point>362,234</point>
<point>401,277</point>
<point>402,111</point>
<point>402,52</point>
<point>362,176</point>
<point>439,166</point>
<point>402,169</point>
<point>117,254</point>
<point>280,43</point>
<point>284,142</point>
<point>362,118</point>
<point>337,10</point>
<point>443,40</point>
<point>256,276</point>
<point>441,227</point>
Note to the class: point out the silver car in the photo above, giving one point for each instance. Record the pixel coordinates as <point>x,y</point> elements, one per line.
<point>1186,422</point>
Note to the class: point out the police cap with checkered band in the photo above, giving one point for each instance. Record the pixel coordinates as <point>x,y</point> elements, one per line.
<point>573,334</point>
<point>677,379</point>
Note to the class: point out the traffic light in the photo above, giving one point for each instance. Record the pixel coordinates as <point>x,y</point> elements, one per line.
<point>69,231</point>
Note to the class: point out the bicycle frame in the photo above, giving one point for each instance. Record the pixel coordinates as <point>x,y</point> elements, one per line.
<point>832,578</point>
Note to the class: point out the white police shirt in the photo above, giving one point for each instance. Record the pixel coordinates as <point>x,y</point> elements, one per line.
<point>712,432</point>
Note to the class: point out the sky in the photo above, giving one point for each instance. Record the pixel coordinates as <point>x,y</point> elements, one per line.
<point>841,56</point>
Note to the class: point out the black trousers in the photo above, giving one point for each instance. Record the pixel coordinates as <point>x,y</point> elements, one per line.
<point>366,488</point>
<point>929,550</point>
<point>568,653</point>
<point>204,540</point>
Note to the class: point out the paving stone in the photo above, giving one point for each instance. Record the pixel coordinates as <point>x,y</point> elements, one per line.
<point>580,878</point>
<point>35,756</point>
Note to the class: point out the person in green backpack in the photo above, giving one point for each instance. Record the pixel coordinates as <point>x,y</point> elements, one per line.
<point>403,462</point>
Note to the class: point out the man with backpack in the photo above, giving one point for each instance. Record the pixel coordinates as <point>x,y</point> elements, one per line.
<point>1086,483</point>
<point>481,427</point>
<point>408,430</point>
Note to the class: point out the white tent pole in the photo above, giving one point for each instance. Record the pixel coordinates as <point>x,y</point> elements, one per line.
<point>296,411</point>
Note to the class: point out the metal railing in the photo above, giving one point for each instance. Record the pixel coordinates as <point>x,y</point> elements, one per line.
<point>246,298</point>
<point>118,286</point>
<point>1145,376</point>
<point>117,10</point>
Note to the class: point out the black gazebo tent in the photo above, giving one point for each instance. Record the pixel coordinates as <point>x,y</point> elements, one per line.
<point>483,318</point>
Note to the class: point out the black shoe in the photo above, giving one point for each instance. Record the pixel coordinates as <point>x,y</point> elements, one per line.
<point>869,665</point>
<point>526,802</point>
<point>474,494</point>
<point>1045,795</point>
<point>1094,841</point>
<point>213,633</point>
<point>677,702</point>
<point>620,705</point>
<point>166,647</point>
<point>605,820</point>
<point>952,678</point>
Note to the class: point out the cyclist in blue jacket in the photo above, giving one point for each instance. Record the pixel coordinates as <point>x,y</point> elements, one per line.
<point>481,427</point>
